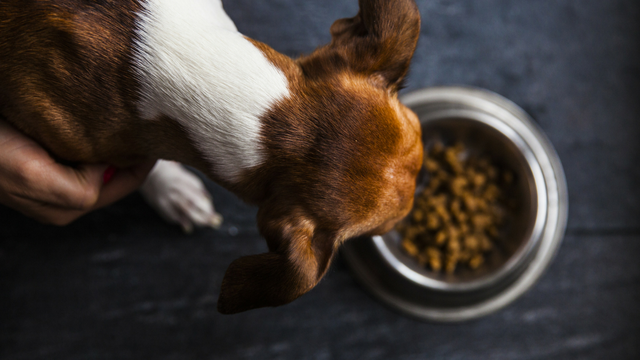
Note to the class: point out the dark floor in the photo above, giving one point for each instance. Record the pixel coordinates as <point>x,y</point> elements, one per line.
<point>121,284</point>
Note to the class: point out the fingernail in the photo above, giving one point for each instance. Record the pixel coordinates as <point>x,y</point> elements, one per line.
<point>108,174</point>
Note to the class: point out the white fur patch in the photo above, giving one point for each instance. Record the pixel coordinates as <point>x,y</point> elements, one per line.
<point>197,69</point>
<point>179,196</point>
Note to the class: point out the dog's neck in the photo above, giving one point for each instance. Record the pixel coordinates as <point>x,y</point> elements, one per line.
<point>195,68</point>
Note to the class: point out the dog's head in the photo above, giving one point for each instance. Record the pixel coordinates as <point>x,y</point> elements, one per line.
<point>344,155</point>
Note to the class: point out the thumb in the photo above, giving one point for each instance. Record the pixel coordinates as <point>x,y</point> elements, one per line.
<point>73,188</point>
<point>88,180</point>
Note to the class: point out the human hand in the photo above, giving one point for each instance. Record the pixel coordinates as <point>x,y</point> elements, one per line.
<point>33,183</point>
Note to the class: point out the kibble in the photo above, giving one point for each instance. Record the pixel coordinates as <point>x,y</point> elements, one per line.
<point>456,219</point>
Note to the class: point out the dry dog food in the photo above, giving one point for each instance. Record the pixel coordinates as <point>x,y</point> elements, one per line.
<point>456,218</point>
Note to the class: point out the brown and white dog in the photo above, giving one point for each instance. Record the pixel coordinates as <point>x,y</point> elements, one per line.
<point>321,143</point>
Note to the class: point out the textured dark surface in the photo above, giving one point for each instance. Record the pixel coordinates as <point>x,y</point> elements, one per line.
<point>121,284</point>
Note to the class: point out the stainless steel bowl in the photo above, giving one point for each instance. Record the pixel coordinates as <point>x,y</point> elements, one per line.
<point>489,124</point>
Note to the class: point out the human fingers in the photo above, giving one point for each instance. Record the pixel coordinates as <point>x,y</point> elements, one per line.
<point>68,187</point>
<point>123,182</point>
<point>33,183</point>
<point>30,173</point>
<point>61,206</point>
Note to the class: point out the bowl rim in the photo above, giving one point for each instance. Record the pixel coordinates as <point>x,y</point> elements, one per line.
<point>553,223</point>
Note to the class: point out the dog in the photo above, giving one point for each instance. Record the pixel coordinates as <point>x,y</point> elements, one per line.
<point>320,143</point>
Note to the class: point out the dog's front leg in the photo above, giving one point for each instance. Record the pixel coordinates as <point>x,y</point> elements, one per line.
<point>180,197</point>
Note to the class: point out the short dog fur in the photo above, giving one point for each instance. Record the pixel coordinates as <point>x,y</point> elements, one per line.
<point>320,143</point>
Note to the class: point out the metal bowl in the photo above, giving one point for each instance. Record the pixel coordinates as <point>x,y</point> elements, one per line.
<point>491,125</point>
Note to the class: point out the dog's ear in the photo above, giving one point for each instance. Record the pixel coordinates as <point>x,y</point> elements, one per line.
<point>299,255</point>
<point>380,40</point>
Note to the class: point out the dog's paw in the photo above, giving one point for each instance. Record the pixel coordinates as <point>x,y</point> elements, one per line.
<point>180,197</point>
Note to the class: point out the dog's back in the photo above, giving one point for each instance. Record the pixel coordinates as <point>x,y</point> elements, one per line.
<point>67,59</point>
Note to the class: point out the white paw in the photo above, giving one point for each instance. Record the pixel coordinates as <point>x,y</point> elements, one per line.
<point>179,196</point>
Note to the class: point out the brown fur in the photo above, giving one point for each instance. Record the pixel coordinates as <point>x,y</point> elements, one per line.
<point>342,152</point>
<point>66,81</point>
